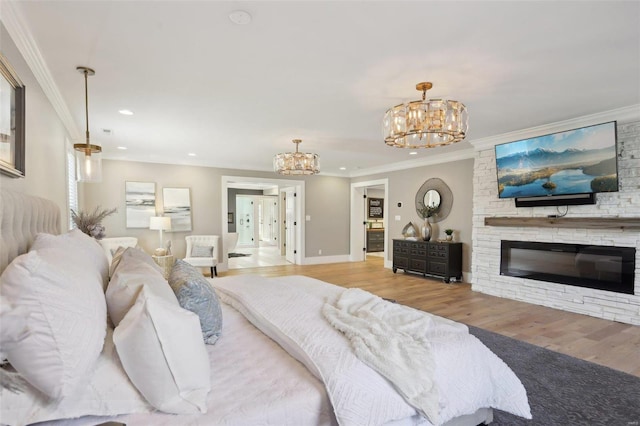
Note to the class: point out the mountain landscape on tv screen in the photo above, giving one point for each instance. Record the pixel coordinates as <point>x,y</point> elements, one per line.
<point>544,171</point>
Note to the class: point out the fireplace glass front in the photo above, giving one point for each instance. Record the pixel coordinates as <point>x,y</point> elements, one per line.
<point>600,267</point>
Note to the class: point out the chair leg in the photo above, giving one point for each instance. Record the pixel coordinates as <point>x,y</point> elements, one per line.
<point>214,271</point>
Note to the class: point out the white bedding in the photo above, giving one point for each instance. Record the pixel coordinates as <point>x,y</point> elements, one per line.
<point>274,389</point>
<point>288,309</point>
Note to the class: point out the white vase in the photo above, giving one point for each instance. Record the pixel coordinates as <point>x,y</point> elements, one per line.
<point>426,230</point>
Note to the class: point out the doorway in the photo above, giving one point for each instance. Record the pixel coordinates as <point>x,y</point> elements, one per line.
<point>361,222</point>
<point>253,208</point>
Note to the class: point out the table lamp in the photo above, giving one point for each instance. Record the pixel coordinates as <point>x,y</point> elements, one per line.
<point>161,223</point>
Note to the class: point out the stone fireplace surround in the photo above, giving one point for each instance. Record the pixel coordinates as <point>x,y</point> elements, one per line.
<point>485,265</point>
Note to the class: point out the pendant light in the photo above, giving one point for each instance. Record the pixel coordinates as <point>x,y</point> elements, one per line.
<point>296,163</point>
<point>425,123</point>
<point>88,156</point>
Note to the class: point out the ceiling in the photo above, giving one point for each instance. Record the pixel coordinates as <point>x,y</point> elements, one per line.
<point>325,72</point>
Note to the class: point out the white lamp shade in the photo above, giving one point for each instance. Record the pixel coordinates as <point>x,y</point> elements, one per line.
<point>162,223</point>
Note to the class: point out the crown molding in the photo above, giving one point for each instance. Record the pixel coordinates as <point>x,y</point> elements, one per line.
<point>621,115</point>
<point>24,41</point>
<point>458,155</point>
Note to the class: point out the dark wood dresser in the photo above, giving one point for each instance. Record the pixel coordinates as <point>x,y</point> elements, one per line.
<point>375,240</point>
<point>438,259</point>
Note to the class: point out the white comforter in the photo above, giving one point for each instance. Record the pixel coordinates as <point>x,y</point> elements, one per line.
<point>460,376</point>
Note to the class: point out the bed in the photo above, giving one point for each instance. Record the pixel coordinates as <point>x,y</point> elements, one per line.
<point>288,350</point>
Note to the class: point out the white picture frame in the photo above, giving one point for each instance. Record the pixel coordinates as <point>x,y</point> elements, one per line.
<point>177,206</point>
<point>140,202</point>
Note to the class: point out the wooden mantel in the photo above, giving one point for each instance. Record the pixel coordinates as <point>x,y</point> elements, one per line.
<point>566,222</point>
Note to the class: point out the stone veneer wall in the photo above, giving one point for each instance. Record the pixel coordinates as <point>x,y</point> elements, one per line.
<point>485,268</point>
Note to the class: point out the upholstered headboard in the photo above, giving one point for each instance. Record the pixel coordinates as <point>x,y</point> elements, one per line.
<point>21,218</point>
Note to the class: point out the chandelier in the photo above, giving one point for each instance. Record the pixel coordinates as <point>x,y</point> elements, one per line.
<point>425,124</point>
<point>88,156</point>
<point>296,163</point>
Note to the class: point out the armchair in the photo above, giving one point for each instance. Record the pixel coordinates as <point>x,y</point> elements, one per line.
<point>202,251</point>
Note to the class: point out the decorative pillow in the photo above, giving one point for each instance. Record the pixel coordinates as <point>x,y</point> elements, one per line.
<point>85,249</point>
<point>202,251</point>
<point>132,273</point>
<point>66,319</point>
<point>195,294</point>
<point>161,349</point>
<point>130,252</point>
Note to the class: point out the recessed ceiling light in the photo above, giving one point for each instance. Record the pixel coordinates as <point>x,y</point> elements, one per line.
<point>191,154</point>
<point>343,168</point>
<point>240,17</point>
<point>413,153</point>
<point>125,112</point>
<point>122,148</point>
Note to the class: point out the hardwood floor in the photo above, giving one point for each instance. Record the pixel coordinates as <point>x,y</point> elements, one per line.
<point>604,342</point>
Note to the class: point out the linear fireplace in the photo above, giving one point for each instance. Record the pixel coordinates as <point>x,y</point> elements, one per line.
<point>600,267</point>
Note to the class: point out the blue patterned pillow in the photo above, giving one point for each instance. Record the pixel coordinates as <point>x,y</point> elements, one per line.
<point>195,294</point>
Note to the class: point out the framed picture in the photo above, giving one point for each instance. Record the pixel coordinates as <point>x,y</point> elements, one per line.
<point>230,217</point>
<point>376,206</point>
<point>140,200</point>
<point>12,121</point>
<point>177,205</point>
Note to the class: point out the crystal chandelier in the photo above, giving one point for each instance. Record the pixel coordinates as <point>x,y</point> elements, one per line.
<point>296,163</point>
<point>425,124</point>
<point>88,156</point>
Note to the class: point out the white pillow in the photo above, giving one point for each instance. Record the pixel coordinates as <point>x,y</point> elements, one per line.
<point>79,245</point>
<point>131,274</point>
<point>161,348</point>
<point>131,252</point>
<point>66,319</point>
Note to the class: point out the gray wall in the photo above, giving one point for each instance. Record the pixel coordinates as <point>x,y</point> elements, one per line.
<point>403,186</point>
<point>45,138</point>
<point>327,203</point>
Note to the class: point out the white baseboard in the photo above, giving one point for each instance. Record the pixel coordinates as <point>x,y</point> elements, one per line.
<point>319,260</point>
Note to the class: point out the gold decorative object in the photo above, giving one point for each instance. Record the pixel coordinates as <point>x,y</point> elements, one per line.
<point>88,156</point>
<point>296,163</point>
<point>425,124</point>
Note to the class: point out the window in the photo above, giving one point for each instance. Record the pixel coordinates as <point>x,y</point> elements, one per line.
<point>72,185</point>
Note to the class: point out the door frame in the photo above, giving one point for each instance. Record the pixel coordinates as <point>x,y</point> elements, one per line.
<point>358,216</point>
<point>298,185</point>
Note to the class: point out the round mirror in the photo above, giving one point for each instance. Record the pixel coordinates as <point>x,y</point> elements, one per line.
<point>432,198</point>
<point>436,194</point>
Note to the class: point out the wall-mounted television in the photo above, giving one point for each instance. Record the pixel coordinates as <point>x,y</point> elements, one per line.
<point>551,169</point>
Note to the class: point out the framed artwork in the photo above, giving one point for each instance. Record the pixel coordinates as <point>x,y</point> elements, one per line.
<point>376,208</point>
<point>12,121</point>
<point>230,217</point>
<point>140,201</point>
<point>177,205</point>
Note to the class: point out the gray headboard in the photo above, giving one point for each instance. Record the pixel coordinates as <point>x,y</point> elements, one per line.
<point>21,218</point>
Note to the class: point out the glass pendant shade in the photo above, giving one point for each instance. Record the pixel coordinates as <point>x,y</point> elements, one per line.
<point>88,156</point>
<point>88,163</point>
<point>296,163</point>
<point>425,124</point>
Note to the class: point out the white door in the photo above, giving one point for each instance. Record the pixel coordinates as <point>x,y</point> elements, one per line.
<point>245,221</point>
<point>290,225</point>
<point>269,220</point>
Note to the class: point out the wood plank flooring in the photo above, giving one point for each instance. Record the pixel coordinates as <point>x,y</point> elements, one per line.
<point>604,342</point>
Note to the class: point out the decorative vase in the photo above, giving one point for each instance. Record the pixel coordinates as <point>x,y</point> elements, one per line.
<point>449,237</point>
<point>426,230</point>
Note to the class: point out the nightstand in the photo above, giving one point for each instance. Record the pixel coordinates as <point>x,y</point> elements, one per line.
<point>166,263</point>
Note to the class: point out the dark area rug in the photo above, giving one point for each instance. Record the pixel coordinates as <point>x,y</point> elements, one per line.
<point>239,254</point>
<point>563,390</point>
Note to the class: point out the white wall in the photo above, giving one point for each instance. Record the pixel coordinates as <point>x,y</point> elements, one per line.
<point>45,138</point>
<point>486,239</point>
<point>327,203</point>
<point>403,186</point>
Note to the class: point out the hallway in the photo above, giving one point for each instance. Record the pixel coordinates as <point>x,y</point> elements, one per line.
<point>266,255</point>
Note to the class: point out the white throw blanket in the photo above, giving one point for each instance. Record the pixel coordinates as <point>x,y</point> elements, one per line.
<point>396,342</point>
<point>463,376</point>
